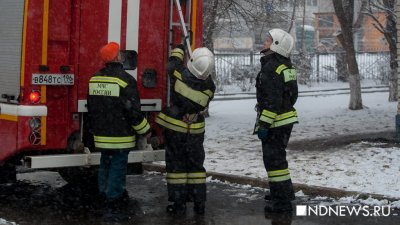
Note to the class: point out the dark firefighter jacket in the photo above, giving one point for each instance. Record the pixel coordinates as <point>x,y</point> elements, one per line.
<point>189,97</point>
<point>276,86</point>
<point>114,109</point>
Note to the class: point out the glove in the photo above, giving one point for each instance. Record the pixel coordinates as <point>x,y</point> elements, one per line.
<point>178,51</point>
<point>262,133</point>
<point>181,46</point>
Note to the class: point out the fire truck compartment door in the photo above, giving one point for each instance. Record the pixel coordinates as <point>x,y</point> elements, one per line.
<point>11,27</point>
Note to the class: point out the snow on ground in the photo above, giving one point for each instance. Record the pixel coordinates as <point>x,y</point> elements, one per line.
<point>5,222</point>
<point>231,148</point>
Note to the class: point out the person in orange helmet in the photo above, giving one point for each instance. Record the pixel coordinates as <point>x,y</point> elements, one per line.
<point>116,120</point>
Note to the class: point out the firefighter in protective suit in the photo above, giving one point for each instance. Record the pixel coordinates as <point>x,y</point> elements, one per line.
<point>191,91</point>
<point>276,87</point>
<point>116,120</point>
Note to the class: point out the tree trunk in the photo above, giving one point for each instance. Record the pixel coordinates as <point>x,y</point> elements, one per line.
<point>210,24</point>
<point>341,65</point>
<point>393,86</point>
<point>390,32</point>
<point>391,38</point>
<point>354,81</point>
<point>344,11</point>
<point>393,95</point>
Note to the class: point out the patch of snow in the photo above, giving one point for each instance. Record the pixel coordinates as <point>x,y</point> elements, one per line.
<point>365,167</point>
<point>395,204</point>
<point>300,194</point>
<point>5,222</point>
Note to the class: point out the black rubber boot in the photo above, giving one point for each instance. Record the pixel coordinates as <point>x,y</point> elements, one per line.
<point>268,197</point>
<point>117,210</point>
<point>199,208</point>
<point>177,209</point>
<point>115,216</point>
<point>278,206</point>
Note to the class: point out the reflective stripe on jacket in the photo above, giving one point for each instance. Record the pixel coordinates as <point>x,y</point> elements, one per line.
<point>179,125</point>
<point>278,120</point>
<point>200,97</point>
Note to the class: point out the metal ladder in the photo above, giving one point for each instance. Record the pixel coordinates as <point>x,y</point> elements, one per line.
<point>185,27</point>
<point>181,23</point>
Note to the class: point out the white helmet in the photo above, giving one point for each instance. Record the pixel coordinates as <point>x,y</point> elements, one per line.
<point>282,42</point>
<point>202,63</point>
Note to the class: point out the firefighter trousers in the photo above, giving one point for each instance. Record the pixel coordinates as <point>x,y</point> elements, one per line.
<point>186,175</point>
<point>274,157</point>
<point>112,173</point>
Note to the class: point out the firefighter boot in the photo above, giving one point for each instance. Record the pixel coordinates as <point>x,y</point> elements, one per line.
<point>199,208</point>
<point>177,209</point>
<point>281,195</point>
<point>276,206</point>
<point>117,210</point>
<point>268,197</point>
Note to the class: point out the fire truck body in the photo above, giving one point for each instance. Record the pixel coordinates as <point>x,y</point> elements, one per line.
<point>50,51</point>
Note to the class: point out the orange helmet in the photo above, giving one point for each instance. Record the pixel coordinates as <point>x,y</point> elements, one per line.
<point>109,52</point>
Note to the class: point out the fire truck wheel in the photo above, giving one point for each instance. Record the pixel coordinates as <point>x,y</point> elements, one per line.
<point>8,173</point>
<point>79,176</point>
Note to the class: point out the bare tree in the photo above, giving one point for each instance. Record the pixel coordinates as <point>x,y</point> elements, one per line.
<point>344,10</point>
<point>210,21</point>
<point>390,32</point>
<point>229,16</point>
<point>293,16</point>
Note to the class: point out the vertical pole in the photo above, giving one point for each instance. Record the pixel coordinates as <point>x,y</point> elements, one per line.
<point>251,58</point>
<point>317,54</point>
<point>303,33</point>
<point>397,10</point>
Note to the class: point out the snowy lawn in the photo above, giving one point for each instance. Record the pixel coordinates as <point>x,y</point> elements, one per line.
<point>231,148</point>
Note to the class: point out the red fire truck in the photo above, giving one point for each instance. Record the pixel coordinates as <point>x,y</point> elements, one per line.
<point>49,51</point>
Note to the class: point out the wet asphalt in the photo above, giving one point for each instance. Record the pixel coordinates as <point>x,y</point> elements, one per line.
<point>43,198</point>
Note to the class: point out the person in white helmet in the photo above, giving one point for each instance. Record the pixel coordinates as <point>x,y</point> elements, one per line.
<point>276,87</point>
<point>192,89</point>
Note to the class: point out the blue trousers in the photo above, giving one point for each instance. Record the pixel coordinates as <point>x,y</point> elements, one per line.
<point>112,173</point>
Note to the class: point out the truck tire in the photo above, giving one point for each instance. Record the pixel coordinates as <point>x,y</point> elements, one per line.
<point>8,173</point>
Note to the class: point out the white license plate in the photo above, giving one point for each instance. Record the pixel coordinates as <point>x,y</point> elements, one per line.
<point>53,79</point>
